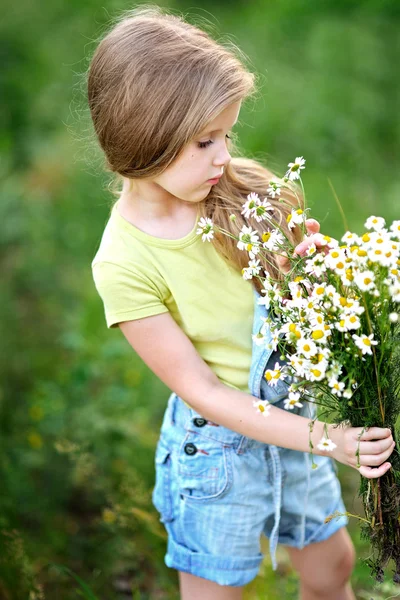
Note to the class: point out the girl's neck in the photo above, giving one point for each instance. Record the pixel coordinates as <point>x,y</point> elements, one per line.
<point>152,210</point>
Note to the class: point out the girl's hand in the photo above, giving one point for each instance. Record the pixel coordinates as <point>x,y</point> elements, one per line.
<point>375,445</point>
<point>313,237</point>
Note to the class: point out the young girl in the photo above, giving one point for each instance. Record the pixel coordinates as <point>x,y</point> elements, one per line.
<point>164,97</point>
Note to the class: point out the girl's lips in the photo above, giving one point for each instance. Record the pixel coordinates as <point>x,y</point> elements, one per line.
<point>214,180</point>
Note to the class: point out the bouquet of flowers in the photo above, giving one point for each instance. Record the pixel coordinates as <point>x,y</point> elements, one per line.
<point>334,317</point>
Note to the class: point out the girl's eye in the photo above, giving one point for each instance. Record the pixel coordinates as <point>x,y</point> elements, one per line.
<point>209,142</point>
<point>205,144</point>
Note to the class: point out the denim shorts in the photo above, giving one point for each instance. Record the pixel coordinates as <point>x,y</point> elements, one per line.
<point>218,491</point>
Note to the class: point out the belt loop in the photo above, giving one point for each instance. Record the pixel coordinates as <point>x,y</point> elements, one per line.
<point>277,487</point>
<point>173,401</point>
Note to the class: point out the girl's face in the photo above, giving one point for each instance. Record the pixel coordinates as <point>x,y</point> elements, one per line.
<point>202,161</point>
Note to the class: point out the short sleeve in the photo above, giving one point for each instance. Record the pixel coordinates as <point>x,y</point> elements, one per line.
<point>127,294</point>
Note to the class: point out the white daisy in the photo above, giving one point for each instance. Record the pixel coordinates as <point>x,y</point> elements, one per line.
<point>273,375</point>
<point>250,205</point>
<point>295,168</point>
<point>364,342</point>
<point>274,189</point>
<point>253,269</point>
<point>205,229</point>
<point>272,240</point>
<point>292,401</point>
<point>247,238</point>
<point>326,444</point>
<point>395,228</point>
<point>306,347</point>
<point>365,280</point>
<point>351,239</point>
<point>296,217</point>
<point>376,223</point>
<point>262,406</point>
<point>261,211</point>
<point>311,250</point>
<point>336,386</point>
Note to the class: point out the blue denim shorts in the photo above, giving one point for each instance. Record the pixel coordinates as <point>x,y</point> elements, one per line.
<point>218,491</point>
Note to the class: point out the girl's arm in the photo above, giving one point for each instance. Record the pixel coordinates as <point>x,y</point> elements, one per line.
<point>169,353</point>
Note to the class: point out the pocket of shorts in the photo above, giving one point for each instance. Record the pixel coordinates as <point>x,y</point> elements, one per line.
<point>205,474</point>
<point>162,495</point>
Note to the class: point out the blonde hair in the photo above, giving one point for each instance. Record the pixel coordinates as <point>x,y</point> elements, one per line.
<point>154,82</point>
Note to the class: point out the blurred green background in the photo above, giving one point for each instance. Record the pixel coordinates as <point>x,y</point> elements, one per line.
<point>79,412</point>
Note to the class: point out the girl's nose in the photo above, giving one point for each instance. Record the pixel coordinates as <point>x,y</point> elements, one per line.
<point>222,158</point>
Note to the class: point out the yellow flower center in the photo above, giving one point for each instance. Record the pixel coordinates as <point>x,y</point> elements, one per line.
<point>317,334</point>
<point>315,372</point>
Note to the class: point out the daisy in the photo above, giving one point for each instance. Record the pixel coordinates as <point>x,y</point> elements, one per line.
<point>262,406</point>
<point>292,401</point>
<point>351,321</point>
<point>274,189</point>
<point>295,218</point>
<point>326,444</point>
<point>364,342</point>
<point>351,239</point>
<point>365,280</point>
<point>260,212</point>
<point>336,386</point>
<point>205,229</point>
<point>316,372</point>
<point>247,238</point>
<point>315,265</point>
<point>376,223</point>
<point>272,375</point>
<point>306,347</point>
<point>395,228</point>
<point>272,240</point>
<point>253,269</point>
<point>295,168</point>
<point>311,250</point>
<point>250,205</point>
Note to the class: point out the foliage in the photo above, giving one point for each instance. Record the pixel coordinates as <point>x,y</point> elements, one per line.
<point>79,412</point>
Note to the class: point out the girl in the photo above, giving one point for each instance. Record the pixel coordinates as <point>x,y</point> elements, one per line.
<point>163,98</point>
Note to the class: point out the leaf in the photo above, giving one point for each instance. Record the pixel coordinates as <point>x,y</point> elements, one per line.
<point>87,592</point>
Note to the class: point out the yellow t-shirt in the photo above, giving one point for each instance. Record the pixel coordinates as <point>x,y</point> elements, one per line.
<point>138,275</point>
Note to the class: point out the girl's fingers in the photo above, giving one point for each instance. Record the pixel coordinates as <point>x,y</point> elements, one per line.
<point>312,226</point>
<point>283,264</point>
<point>374,460</point>
<point>371,433</point>
<point>376,447</point>
<point>374,472</point>
<point>315,238</point>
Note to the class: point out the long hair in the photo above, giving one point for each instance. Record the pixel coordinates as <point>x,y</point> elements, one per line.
<point>155,82</point>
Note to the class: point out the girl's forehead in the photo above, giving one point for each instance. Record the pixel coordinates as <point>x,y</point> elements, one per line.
<point>224,121</point>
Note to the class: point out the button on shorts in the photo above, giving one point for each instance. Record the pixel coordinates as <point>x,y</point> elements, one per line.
<point>215,493</point>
